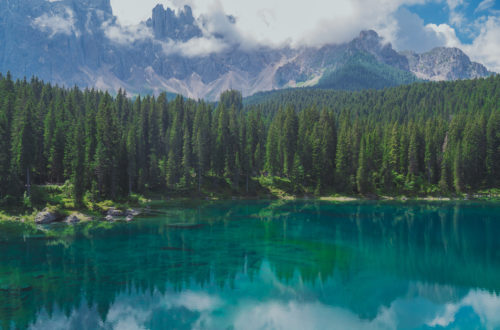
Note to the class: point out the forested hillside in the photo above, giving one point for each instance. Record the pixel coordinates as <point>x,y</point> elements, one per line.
<point>426,138</point>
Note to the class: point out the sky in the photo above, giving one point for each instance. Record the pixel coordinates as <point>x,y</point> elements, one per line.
<point>417,25</point>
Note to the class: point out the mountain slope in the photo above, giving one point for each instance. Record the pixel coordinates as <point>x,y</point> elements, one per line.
<point>445,64</point>
<point>80,42</point>
<point>363,71</point>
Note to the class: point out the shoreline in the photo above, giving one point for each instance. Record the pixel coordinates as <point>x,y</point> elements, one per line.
<point>87,215</point>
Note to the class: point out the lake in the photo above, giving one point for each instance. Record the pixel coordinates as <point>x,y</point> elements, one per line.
<point>259,265</point>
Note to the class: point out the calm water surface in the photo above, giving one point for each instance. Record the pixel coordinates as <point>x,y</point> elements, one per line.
<point>259,265</point>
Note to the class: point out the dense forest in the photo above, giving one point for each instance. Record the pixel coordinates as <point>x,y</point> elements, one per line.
<point>424,138</point>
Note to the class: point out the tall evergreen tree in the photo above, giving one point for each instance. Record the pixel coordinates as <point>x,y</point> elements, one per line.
<point>23,146</point>
<point>493,148</point>
<point>78,163</point>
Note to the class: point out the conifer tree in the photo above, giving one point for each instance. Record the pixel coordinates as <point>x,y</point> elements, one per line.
<point>4,152</point>
<point>23,146</point>
<point>131,148</point>
<point>362,175</point>
<point>186,155</point>
<point>78,163</point>
<point>458,174</point>
<point>493,148</point>
<point>289,135</point>
<point>107,147</point>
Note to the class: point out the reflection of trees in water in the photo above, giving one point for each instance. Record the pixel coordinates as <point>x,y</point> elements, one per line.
<point>429,243</point>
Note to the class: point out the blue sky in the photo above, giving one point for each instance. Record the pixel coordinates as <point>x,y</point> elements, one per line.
<point>418,25</point>
<point>471,11</point>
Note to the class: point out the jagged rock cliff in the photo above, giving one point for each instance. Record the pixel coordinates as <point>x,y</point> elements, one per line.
<point>80,42</point>
<point>445,64</point>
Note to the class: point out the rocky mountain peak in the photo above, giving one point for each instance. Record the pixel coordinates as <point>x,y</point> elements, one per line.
<point>167,24</point>
<point>370,42</point>
<point>79,42</point>
<point>104,5</point>
<point>369,36</point>
<point>442,63</point>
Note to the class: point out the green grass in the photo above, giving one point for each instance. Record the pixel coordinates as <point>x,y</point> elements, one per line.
<point>58,199</point>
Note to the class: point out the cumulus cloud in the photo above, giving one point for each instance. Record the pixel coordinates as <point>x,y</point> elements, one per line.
<point>202,46</point>
<point>412,34</point>
<point>128,34</point>
<point>61,23</point>
<point>277,23</point>
<point>484,48</point>
<point>216,22</point>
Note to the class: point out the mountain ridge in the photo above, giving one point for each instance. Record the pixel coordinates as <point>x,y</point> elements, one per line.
<point>82,43</point>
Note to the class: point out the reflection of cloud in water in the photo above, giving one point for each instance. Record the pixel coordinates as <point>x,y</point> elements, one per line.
<point>193,301</point>
<point>267,303</point>
<point>295,315</point>
<point>134,311</point>
<point>486,305</point>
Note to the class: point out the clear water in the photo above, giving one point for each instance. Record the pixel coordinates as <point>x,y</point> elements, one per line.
<point>259,265</point>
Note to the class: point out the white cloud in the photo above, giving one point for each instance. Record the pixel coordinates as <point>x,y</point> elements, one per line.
<point>453,4</point>
<point>485,5</point>
<point>316,22</point>
<point>274,22</point>
<point>61,23</point>
<point>484,49</point>
<point>446,34</point>
<point>412,34</point>
<point>194,47</point>
<point>486,46</point>
<point>127,34</point>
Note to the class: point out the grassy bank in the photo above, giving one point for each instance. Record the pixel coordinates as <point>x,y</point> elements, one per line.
<point>58,198</point>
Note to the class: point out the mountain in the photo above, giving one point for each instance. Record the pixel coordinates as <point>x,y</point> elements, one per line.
<point>71,42</point>
<point>444,64</point>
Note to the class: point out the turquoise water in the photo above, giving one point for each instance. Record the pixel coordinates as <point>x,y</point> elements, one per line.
<point>259,265</point>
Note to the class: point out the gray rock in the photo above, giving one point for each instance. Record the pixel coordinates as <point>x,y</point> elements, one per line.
<point>109,218</point>
<point>45,217</point>
<point>114,212</point>
<point>88,49</point>
<point>129,218</point>
<point>72,219</point>
<point>132,213</point>
<point>166,24</point>
<point>443,63</point>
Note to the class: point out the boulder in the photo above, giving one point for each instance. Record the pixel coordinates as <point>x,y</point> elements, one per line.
<point>73,218</point>
<point>132,213</point>
<point>45,217</point>
<point>109,218</point>
<point>114,212</point>
<point>129,218</point>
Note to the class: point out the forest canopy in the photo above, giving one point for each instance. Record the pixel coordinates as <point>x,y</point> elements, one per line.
<point>424,138</point>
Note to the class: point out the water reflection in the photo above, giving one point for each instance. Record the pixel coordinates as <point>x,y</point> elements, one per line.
<point>288,265</point>
<point>198,309</point>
